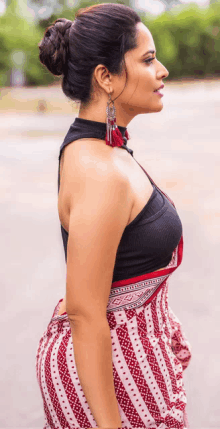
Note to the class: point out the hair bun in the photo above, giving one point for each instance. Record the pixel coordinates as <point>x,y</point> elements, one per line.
<point>54,47</point>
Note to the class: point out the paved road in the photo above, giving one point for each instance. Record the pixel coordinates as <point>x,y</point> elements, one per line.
<point>180,148</point>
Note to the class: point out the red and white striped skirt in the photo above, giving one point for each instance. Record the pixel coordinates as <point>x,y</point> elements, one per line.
<point>149,354</point>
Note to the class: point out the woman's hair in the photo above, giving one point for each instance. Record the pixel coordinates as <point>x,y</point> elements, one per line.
<point>99,34</point>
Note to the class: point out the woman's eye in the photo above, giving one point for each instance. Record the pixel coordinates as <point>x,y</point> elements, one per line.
<point>149,60</point>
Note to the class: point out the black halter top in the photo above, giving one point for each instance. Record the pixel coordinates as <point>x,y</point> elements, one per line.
<point>147,242</point>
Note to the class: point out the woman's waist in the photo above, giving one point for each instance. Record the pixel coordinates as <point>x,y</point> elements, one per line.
<point>129,293</point>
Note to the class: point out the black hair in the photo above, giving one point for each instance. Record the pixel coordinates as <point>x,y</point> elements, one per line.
<point>100,34</point>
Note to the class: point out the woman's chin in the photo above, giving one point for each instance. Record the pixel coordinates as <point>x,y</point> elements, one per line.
<point>159,108</point>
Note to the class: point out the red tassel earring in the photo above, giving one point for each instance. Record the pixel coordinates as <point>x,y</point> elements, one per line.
<point>113,135</point>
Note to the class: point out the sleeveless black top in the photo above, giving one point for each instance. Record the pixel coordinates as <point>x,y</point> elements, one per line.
<point>148,242</point>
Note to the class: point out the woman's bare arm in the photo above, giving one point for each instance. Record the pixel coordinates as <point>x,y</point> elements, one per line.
<point>100,206</point>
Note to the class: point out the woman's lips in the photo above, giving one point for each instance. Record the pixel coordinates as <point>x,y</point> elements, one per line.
<point>159,93</point>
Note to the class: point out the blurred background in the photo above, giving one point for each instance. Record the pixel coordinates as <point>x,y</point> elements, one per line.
<point>179,147</point>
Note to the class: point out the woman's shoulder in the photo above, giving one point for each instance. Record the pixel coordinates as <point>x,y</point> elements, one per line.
<point>91,166</point>
<point>92,156</point>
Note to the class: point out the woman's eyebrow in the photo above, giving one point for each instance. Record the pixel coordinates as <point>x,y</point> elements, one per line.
<point>149,52</point>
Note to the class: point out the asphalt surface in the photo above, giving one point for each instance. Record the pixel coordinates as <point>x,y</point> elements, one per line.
<point>180,148</point>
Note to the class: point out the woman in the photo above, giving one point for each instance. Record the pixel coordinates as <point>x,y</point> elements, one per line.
<point>113,353</point>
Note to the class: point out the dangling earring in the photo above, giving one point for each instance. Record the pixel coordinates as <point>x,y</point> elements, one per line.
<point>113,135</point>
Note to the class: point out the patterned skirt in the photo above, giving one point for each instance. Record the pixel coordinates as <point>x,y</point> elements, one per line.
<point>149,354</point>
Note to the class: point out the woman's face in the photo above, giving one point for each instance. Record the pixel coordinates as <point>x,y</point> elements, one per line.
<point>145,75</point>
